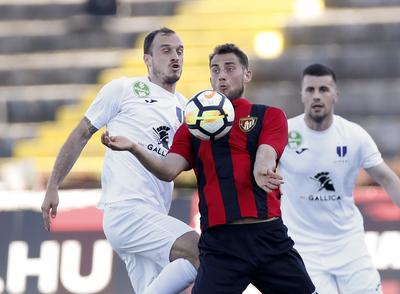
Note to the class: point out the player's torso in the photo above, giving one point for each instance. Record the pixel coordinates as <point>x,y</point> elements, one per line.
<point>323,162</point>
<point>237,145</point>
<point>149,115</point>
<point>319,170</point>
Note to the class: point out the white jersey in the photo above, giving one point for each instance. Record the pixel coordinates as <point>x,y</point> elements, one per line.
<point>147,114</point>
<point>320,169</point>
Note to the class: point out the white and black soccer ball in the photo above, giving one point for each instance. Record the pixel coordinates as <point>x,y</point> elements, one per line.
<point>209,115</point>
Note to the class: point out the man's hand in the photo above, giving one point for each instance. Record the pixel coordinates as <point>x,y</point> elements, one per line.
<point>268,180</point>
<point>49,207</point>
<point>117,143</point>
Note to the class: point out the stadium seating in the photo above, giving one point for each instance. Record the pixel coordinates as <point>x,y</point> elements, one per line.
<point>234,24</point>
<point>360,40</point>
<point>51,53</point>
<point>53,77</point>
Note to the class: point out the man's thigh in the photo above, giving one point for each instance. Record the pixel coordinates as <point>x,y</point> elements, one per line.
<point>324,282</point>
<point>140,230</point>
<point>320,272</point>
<point>221,274</point>
<point>141,271</point>
<point>359,277</point>
<point>284,273</point>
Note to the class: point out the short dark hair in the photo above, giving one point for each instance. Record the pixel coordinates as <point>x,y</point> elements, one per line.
<point>319,70</point>
<point>148,40</point>
<point>230,48</point>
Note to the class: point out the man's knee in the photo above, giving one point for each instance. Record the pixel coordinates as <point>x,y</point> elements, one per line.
<point>186,246</point>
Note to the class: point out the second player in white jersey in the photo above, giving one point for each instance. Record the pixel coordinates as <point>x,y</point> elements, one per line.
<point>321,167</point>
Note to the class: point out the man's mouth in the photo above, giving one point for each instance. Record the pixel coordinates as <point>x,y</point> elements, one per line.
<point>175,66</point>
<point>317,106</point>
<point>222,88</point>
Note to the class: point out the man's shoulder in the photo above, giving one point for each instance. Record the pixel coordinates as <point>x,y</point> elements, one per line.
<point>349,125</point>
<point>268,108</point>
<point>296,121</point>
<point>182,99</point>
<point>126,81</point>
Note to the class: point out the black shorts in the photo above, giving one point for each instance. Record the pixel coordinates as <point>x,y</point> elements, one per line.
<point>233,256</point>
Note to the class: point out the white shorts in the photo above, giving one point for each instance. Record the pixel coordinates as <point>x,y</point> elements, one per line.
<point>345,269</point>
<point>142,237</point>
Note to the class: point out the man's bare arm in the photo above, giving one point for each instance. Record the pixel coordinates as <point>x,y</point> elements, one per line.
<point>389,181</point>
<point>265,169</point>
<point>65,160</point>
<point>165,169</point>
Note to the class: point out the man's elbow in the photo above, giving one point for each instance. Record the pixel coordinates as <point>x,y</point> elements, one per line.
<point>167,176</point>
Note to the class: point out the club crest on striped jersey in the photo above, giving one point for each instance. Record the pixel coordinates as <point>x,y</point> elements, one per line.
<point>246,124</point>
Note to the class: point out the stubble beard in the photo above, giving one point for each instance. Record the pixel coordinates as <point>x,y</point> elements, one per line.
<point>172,79</point>
<point>235,93</point>
<point>169,79</point>
<point>318,118</point>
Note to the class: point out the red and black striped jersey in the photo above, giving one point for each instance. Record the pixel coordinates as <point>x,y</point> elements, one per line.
<point>224,168</point>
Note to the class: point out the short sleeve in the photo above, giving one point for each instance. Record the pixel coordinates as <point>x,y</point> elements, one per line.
<point>182,144</point>
<point>370,155</point>
<point>182,100</point>
<point>275,130</point>
<point>106,104</point>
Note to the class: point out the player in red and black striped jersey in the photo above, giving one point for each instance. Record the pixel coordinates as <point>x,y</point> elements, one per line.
<point>243,238</point>
<point>227,189</point>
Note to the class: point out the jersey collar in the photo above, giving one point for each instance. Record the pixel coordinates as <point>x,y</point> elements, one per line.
<point>240,101</point>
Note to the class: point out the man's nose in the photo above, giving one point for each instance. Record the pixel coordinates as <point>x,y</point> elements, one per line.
<point>174,55</point>
<point>222,75</point>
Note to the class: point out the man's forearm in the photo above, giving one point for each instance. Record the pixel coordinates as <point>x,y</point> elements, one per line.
<point>154,164</point>
<point>265,158</point>
<point>392,187</point>
<point>68,155</point>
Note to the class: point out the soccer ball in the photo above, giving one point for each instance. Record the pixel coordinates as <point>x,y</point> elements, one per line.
<point>209,115</point>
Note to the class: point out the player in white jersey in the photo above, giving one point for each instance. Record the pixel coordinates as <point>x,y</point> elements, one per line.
<point>160,252</point>
<point>319,167</point>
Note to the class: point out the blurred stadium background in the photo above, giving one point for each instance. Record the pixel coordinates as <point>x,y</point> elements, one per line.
<point>55,54</point>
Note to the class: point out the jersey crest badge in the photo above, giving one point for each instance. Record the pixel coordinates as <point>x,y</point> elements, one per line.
<point>141,89</point>
<point>294,139</point>
<point>246,124</point>
<point>341,151</point>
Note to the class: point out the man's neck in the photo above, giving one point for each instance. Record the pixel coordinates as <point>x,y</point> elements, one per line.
<point>166,86</point>
<point>318,125</point>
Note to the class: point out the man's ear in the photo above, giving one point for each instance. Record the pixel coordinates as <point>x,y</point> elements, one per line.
<point>248,75</point>
<point>147,59</point>
<point>337,96</point>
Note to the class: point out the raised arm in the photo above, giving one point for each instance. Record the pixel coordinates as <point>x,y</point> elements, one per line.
<point>165,169</point>
<point>389,181</point>
<point>265,168</point>
<point>66,159</point>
